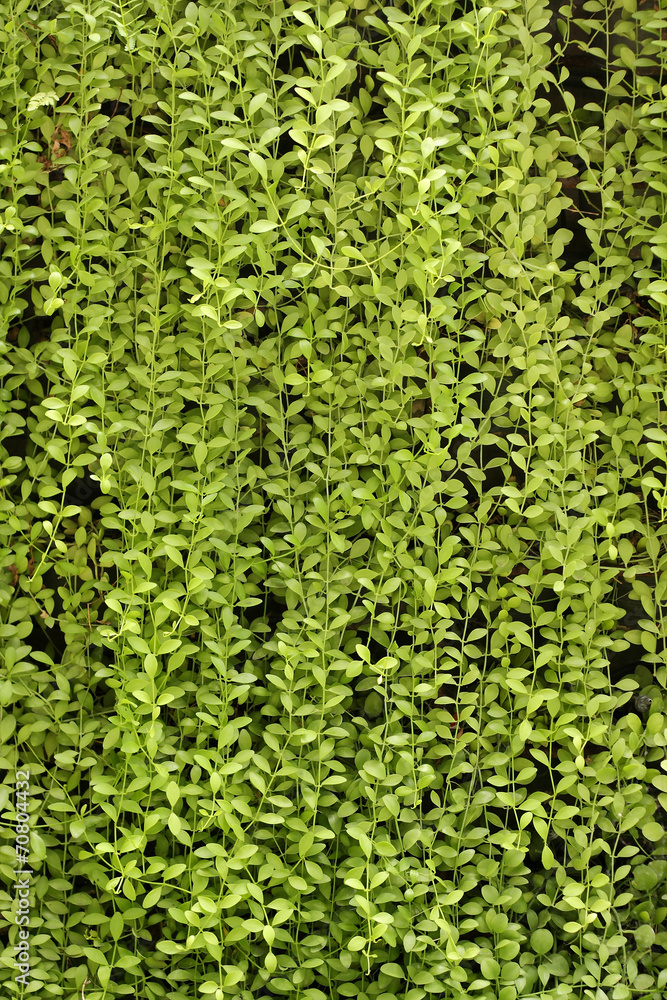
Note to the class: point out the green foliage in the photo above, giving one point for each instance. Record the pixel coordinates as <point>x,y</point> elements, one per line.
<point>350,681</point>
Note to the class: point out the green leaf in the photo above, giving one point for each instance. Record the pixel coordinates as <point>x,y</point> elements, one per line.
<point>263,226</point>
<point>653,832</point>
<point>490,968</point>
<point>541,941</point>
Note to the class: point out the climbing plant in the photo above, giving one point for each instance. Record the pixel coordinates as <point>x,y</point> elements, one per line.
<point>333,471</point>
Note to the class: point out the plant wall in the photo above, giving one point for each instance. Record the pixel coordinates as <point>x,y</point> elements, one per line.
<point>333,470</point>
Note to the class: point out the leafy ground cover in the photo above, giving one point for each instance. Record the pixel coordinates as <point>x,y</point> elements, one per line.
<point>333,483</point>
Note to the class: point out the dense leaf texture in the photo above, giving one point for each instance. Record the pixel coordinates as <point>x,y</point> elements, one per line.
<point>333,468</point>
